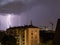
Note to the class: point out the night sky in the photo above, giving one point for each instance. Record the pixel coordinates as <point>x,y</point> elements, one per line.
<point>21,12</point>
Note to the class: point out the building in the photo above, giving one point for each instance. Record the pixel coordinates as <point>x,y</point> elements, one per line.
<point>25,35</point>
<point>56,40</point>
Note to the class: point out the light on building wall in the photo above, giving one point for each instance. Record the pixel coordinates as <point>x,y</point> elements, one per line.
<point>35,33</point>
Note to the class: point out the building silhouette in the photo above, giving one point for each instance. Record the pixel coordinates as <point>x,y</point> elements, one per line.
<point>25,35</point>
<point>56,40</point>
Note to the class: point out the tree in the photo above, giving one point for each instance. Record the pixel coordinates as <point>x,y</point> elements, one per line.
<point>8,40</point>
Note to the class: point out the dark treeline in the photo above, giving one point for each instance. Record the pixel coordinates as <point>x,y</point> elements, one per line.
<point>46,35</point>
<point>7,39</point>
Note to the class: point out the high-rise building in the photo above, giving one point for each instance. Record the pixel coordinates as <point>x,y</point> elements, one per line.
<point>25,35</point>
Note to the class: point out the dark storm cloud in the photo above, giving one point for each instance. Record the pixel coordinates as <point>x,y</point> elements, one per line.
<point>41,12</point>
<point>16,6</point>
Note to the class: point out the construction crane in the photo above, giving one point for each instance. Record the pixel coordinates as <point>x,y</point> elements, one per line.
<point>45,27</point>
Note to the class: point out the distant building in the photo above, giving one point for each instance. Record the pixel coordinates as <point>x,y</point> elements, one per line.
<point>25,35</point>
